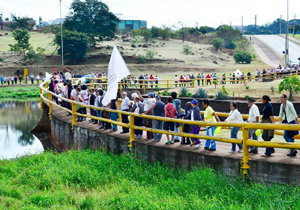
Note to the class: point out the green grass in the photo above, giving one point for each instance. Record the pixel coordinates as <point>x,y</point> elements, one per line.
<point>19,92</point>
<point>93,180</point>
<point>36,40</point>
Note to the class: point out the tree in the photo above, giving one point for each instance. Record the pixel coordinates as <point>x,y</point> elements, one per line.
<point>93,18</point>
<point>1,21</point>
<point>291,84</point>
<point>35,56</point>
<point>22,46</point>
<point>155,31</point>
<point>165,33</point>
<point>76,45</point>
<point>229,35</point>
<point>242,57</point>
<point>217,43</point>
<point>22,23</point>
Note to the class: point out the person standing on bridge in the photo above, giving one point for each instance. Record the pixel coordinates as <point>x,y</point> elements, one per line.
<point>267,135</point>
<point>288,115</point>
<point>210,116</point>
<point>170,112</point>
<point>177,104</point>
<point>196,116</point>
<point>148,102</point>
<point>125,105</point>
<point>159,111</point>
<point>137,108</point>
<point>253,118</point>
<point>235,117</point>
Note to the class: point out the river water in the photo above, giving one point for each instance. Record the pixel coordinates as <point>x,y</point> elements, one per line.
<point>17,119</point>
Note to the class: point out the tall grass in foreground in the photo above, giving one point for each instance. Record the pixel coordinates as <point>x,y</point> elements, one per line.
<point>93,180</point>
<point>20,92</point>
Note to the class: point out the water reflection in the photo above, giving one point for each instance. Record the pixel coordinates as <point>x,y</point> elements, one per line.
<point>16,121</point>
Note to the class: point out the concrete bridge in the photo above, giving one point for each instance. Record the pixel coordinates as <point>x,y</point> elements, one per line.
<point>66,135</point>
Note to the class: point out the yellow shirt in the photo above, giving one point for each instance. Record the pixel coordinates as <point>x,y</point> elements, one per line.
<point>208,115</point>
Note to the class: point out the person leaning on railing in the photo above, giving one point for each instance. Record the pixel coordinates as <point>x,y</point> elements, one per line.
<point>124,106</point>
<point>98,103</point>
<point>159,111</point>
<point>170,112</point>
<point>196,116</point>
<point>186,127</point>
<point>210,116</point>
<point>288,115</point>
<point>235,117</point>
<point>253,118</point>
<point>137,108</point>
<point>267,135</point>
<point>148,104</point>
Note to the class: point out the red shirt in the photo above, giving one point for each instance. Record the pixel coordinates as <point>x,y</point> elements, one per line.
<point>170,110</point>
<point>151,77</point>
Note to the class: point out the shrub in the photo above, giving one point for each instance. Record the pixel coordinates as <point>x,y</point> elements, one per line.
<point>150,54</point>
<point>246,97</point>
<point>272,89</point>
<point>200,93</point>
<point>242,57</point>
<point>187,49</point>
<point>165,93</point>
<point>1,59</point>
<point>142,59</point>
<point>183,92</point>
<point>217,43</point>
<point>221,96</point>
<point>247,87</point>
<point>225,91</point>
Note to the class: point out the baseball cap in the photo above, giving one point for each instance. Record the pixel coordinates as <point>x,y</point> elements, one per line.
<point>194,101</point>
<point>158,97</point>
<point>151,94</point>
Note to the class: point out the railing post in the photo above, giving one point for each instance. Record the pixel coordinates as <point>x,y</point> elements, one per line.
<point>144,86</point>
<point>47,87</point>
<point>74,122</point>
<point>245,163</point>
<point>120,115</point>
<point>50,105</point>
<point>193,83</point>
<point>131,130</point>
<point>42,105</point>
<point>167,84</point>
<point>93,83</point>
<point>120,88</point>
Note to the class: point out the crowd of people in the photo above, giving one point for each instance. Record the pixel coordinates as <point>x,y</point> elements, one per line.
<point>153,105</point>
<point>15,80</point>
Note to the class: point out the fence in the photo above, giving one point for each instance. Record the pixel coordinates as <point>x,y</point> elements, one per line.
<point>171,83</point>
<point>245,167</point>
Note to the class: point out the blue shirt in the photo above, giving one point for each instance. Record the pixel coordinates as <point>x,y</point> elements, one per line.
<point>267,111</point>
<point>159,109</point>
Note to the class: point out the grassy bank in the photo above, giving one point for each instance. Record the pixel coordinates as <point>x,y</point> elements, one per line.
<point>93,180</point>
<point>19,92</point>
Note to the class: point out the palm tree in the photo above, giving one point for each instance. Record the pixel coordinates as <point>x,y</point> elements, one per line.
<point>291,84</point>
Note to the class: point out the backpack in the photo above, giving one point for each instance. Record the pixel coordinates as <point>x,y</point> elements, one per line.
<point>177,105</point>
<point>137,109</point>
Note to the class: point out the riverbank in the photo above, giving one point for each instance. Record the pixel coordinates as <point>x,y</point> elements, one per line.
<point>93,180</point>
<point>19,92</point>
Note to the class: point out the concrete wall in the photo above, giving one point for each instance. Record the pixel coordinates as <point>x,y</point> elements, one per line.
<point>86,136</point>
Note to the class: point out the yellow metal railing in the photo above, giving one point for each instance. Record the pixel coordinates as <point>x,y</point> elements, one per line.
<point>172,83</point>
<point>244,126</point>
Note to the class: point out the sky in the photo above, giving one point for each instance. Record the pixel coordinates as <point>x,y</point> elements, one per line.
<point>168,12</point>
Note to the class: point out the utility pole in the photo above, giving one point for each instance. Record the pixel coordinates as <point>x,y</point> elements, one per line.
<point>287,38</point>
<point>294,24</point>
<point>280,24</point>
<point>62,37</point>
<point>255,21</point>
<point>242,24</point>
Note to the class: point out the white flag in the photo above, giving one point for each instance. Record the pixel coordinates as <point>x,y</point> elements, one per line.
<point>117,70</point>
<point>48,77</point>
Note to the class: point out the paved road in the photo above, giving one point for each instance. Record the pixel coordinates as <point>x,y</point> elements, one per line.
<point>277,44</point>
<point>266,53</point>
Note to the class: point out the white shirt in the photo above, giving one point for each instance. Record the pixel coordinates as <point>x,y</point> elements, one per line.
<point>235,117</point>
<point>68,76</point>
<point>148,103</point>
<point>253,113</point>
<point>125,103</point>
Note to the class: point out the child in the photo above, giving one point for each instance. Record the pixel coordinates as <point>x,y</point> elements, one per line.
<point>196,116</point>
<point>186,127</point>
